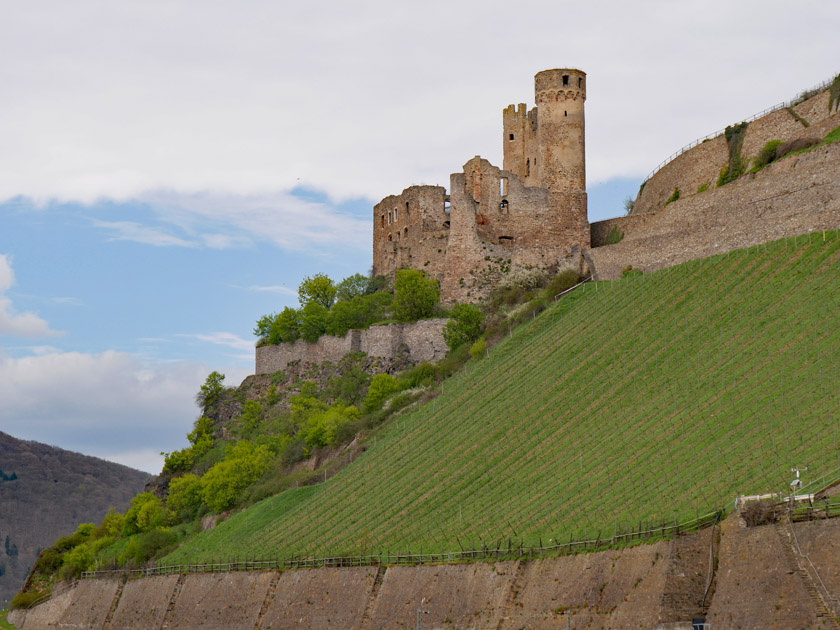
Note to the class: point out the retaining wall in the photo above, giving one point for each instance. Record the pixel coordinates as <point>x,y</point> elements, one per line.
<point>659,585</point>
<point>417,341</point>
<point>796,195</point>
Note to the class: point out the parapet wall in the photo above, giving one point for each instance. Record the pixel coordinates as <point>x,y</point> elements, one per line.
<point>417,342</point>
<point>659,585</point>
<point>798,194</point>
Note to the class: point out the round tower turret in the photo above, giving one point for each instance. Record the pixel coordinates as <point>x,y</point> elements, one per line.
<point>559,95</point>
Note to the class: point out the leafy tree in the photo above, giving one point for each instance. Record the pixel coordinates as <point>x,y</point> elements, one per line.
<point>351,287</point>
<point>111,525</point>
<point>251,416</point>
<point>210,391</point>
<point>415,295</point>
<point>378,284</point>
<point>313,324</point>
<point>267,329</point>
<point>318,289</point>
<point>464,325</point>
<point>184,497</point>
<point>287,324</point>
<point>78,559</point>
<point>243,465</point>
<point>324,429</point>
<point>381,386</point>
<point>146,512</point>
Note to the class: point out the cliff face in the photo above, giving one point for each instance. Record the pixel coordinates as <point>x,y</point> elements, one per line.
<point>45,492</point>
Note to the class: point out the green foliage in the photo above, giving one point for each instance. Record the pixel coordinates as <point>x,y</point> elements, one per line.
<point>146,512</point>
<point>421,375</point>
<point>287,324</point>
<point>210,391</point>
<point>349,386</point>
<point>415,295</point>
<point>381,386</point>
<point>351,287</point>
<point>478,349</point>
<point>834,95</point>
<point>464,325</point>
<point>111,526</point>
<point>833,135</point>
<point>614,236</point>
<point>325,428</point>
<point>629,203</point>
<point>703,187</point>
<point>78,559</point>
<point>318,289</point>
<point>737,165</point>
<point>767,154</point>
<point>564,279</point>
<point>377,284</point>
<point>313,321</point>
<point>705,368</point>
<point>184,497</point>
<point>152,544</point>
<point>358,313</point>
<point>251,417</point>
<point>201,441</point>
<point>243,465</point>
<point>27,599</point>
<point>674,196</point>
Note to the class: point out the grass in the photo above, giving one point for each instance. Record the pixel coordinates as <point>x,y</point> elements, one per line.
<point>4,624</point>
<point>633,402</point>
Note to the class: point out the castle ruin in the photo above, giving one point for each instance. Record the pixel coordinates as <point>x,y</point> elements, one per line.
<point>531,213</point>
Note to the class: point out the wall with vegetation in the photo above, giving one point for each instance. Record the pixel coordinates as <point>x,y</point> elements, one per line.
<point>418,341</point>
<point>650,586</point>
<point>796,195</point>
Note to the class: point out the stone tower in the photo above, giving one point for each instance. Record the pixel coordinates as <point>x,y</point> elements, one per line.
<point>559,95</point>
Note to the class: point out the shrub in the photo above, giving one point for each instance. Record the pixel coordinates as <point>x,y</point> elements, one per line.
<point>478,349</point>
<point>419,376</point>
<point>325,429</point>
<point>242,466</point>
<point>313,321</point>
<point>767,154</point>
<point>737,165</point>
<point>381,386</point>
<point>800,144</point>
<point>184,498</point>
<point>78,559</point>
<point>210,391</point>
<point>27,599</point>
<point>703,187</point>
<point>146,512</point>
<point>522,278</point>
<point>629,204</point>
<point>464,326</point>
<point>415,295</point>
<point>614,236</point>
<point>566,278</point>
<point>674,196</point>
<point>152,544</point>
<point>759,513</point>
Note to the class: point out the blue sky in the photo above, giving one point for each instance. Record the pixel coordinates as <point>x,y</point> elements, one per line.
<point>170,170</point>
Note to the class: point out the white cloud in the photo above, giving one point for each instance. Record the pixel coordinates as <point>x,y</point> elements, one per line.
<point>228,340</point>
<point>363,99</point>
<point>110,405</point>
<point>11,323</point>
<point>67,300</point>
<point>273,288</point>
<point>131,231</point>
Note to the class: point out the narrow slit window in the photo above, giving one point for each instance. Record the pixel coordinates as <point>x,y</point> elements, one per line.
<point>395,215</point>
<point>528,167</point>
<point>565,113</point>
<point>382,220</point>
<point>406,209</point>
<point>390,237</point>
<point>565,79</point>
<point>511,137</point>
<point>503,186</point>
<point>580,82</point>
<point>447,206</point>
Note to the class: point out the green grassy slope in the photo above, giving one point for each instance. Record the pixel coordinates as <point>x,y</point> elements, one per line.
<point>644,399</point>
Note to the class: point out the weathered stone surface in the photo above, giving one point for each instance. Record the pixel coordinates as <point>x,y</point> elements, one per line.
<point>143,602</point>
<point>797,195</point>
<point>219,601</point>
<point>419,341</point>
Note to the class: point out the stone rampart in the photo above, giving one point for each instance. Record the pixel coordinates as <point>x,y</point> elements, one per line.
<point>417,341</point>
<point>796,195</point>
<point>659,585</point>
<point>701,165</point>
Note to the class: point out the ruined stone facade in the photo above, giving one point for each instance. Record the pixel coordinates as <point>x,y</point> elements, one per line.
<point>531,213</point>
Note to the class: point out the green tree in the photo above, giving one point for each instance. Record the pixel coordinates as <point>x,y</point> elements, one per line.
<point>381,386</point>
<point>146,512</point>
<point>287,324</point>
<point>78,559</point>
<point>324,429</point>
<point>210,391</point>
<point>319,289</point>
<point>313,321</point>
<point>267,330</point>
<point>351,287</point>
<point>415,295</point>
<point>184,497</point>
<point>243,465</point>
<point>464,325</point>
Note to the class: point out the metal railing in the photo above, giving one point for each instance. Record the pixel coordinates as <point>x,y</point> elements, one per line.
<point>814,90</point>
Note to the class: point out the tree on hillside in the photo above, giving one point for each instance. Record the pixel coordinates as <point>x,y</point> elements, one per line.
<point>319,289</point>
<point>351,287</point>
<point>464,325</point>
<point>415,295</point>
<point>210,391</point>
<point>313,321</point>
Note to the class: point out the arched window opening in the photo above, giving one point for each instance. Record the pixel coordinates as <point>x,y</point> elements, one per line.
<point>446,224</point>
<point>504,205</point>
<point>506,241</point>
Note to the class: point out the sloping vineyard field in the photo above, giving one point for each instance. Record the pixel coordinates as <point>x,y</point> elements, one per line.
<point>654,398</point>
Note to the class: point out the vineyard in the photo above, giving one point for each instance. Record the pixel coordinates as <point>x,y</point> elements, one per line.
<point>653,399</point>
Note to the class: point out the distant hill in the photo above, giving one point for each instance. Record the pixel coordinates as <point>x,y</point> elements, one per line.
<point>45,492</point>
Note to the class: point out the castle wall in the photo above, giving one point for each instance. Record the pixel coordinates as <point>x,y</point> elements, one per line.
<point>422,341</point>
<point>796,195</point>
<point>519,143</point>
<point>656,585</point>
<point>417,237</point>
<point>701,165</point>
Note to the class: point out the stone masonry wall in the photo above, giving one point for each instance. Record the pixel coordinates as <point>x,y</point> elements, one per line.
<point>422,341</point>
<point>657,585</point>
<point>796,195</point>
<point>702,164</point>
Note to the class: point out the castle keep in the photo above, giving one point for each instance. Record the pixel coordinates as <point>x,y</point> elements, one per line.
<point>530,213</point>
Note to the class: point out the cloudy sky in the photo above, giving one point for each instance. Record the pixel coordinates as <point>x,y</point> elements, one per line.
<point>170,170</point>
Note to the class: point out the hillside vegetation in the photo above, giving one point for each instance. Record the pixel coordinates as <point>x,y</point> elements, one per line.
<point>649,399</point>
